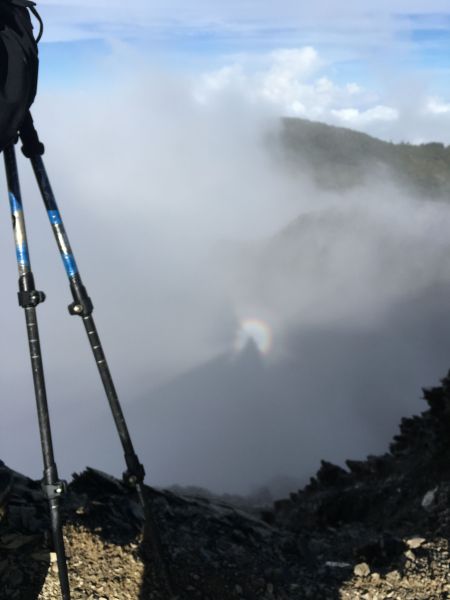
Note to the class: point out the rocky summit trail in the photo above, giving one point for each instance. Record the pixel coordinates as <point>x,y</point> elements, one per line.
<point>376,530</point>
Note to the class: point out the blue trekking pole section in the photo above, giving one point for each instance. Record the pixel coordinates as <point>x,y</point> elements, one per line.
<point>82,306</point>
<point>29,299</point>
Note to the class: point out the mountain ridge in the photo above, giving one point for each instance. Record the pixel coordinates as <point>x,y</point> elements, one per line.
<point>340,158</point>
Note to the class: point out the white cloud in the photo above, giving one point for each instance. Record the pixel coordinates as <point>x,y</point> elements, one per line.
<point>292,83</point>
<point>356,117</point>
<point>294,63</point>
<point>145,201</point>
<point>218,81</point>
<point>300,83</point>
<point>353,88</point>
<point>436,106</point>
<point>234,10</point>
<point>284,82</point>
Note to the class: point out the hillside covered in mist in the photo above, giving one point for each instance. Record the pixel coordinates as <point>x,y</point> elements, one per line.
<point>355,291</point>
<point>350,275</point>
<point>341,158</point>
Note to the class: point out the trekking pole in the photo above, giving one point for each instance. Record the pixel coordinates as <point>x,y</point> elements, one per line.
<point>29,299</point>
<point>82,306</point>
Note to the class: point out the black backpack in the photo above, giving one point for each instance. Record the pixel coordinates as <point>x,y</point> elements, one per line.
<point>18,65</point>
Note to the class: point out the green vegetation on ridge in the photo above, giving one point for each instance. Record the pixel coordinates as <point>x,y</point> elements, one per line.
<point>341,158</point>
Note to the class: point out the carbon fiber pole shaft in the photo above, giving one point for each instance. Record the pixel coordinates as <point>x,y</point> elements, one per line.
<point>29,298</point>
<point>83,307</point>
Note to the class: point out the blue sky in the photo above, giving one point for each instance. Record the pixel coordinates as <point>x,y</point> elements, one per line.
<point>378,48</point>
<point>209,32</point>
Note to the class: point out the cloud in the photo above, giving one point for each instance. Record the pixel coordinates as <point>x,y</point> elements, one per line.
<point>148,182</point>
<point>169,197</point>
<point>294,63</point>
<point>299,82</point>
<point>281,84</point>
<point>436,106</point>
<point>254,9</point>
<point>355,118</point>
<point>284,81</point>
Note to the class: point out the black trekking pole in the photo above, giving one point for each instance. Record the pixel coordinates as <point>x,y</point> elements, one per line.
<point>82,306</point>
<point>29,299</point>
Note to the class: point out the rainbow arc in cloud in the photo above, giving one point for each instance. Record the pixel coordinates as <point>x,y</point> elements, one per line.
<point>258,331</point>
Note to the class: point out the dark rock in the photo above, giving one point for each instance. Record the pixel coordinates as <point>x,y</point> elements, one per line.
<point>306,546</point>
<point>330,474</point>
<point>384,551</point>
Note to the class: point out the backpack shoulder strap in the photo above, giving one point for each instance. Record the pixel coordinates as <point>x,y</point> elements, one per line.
<point>32,7</point>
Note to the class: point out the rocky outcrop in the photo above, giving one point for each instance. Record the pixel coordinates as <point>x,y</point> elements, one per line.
<point>376,529</point>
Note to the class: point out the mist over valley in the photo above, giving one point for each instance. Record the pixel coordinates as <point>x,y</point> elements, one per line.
<point>334,241</point>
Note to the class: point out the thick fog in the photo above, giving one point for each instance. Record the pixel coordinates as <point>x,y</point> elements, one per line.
<point>185,221</point>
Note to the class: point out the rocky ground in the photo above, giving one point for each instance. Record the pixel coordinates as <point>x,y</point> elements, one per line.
<point>378,529</point>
